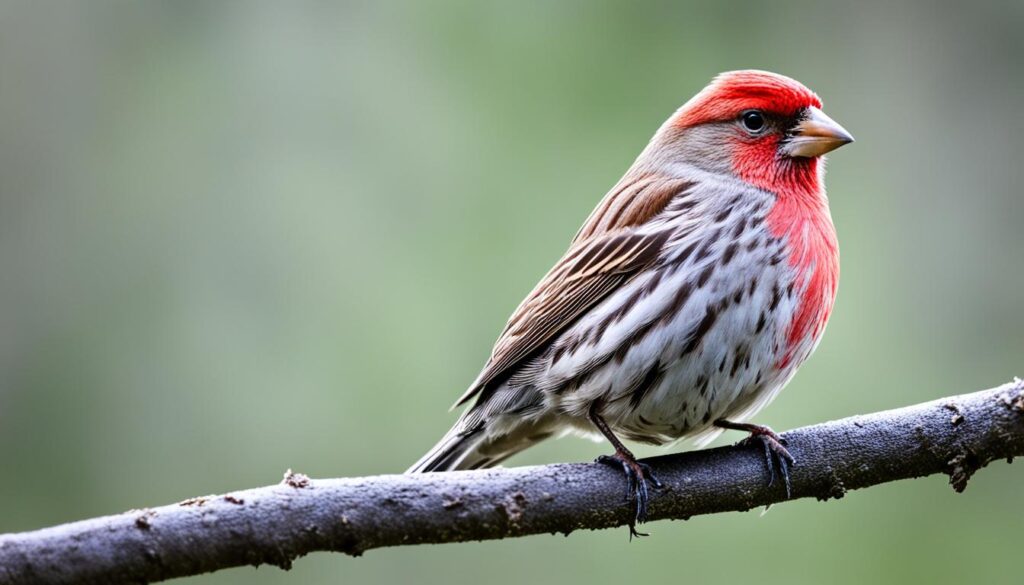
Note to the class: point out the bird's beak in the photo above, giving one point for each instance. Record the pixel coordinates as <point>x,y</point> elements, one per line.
<point>815,135</point>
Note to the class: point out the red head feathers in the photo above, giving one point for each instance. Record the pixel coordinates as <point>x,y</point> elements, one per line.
<point>735,91</point>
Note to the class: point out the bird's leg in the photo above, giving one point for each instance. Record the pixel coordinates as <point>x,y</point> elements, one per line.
<point>637,473</point>
<point>774,448</point>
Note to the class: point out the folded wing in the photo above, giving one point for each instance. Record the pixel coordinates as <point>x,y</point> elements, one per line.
<point>613,245</point>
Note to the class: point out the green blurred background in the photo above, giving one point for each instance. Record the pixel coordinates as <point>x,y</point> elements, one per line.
<point>242,237</point>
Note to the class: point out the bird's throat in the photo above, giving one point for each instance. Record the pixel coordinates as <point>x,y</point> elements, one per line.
<point>801,217</point>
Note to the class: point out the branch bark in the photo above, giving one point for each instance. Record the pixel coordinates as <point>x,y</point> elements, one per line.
<point>277,524</point>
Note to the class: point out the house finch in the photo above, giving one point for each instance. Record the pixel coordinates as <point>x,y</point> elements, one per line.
<point>687,300</point>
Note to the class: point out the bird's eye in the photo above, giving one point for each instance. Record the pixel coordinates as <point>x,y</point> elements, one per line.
<point>753,121</point>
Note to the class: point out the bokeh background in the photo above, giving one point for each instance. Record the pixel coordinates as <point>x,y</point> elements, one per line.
<point>241,237</point>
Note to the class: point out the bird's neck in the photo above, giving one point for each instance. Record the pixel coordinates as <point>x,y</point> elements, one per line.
<point>801,216</point>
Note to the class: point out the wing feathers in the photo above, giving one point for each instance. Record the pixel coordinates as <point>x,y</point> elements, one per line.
<point>634,201</point>
<point>608,249</point>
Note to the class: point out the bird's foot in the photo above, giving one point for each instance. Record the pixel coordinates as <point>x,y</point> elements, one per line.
<point>775,452</point>
<point>637,476</point>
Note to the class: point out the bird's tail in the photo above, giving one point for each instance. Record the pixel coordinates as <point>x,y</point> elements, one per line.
<point>456,450</point>
<point>471,446</point>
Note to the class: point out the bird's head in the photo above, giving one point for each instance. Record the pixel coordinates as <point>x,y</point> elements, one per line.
<point>760,126</point>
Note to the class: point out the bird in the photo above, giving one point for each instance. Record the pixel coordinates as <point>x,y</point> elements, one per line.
<point>687,300</point>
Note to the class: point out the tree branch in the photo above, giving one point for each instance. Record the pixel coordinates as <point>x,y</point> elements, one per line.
<point>956,435</point>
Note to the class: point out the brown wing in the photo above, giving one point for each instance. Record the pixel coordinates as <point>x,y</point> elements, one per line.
<point>607,251</point>
<point>635,200</point>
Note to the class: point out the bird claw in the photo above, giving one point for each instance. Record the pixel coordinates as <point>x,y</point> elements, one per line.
<point>776,456</point>
<point>637,476</point>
